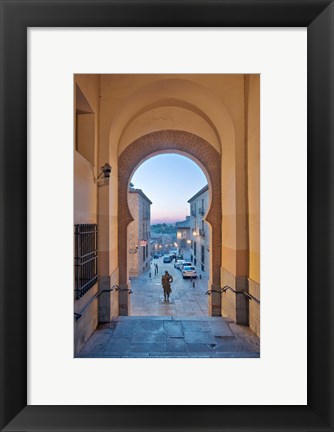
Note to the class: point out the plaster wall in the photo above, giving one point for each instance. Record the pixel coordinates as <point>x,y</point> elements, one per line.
<point>85,202</point>
<point>253,169</point>
<point>168,117</point>
<point>252,99</point>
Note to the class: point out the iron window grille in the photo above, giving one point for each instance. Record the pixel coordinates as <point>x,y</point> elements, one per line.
<point>85,258</point>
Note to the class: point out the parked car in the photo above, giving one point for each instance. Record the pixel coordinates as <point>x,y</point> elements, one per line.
<point>184,264</point>
<point>178,263</point>
<point>167,259</point>
<point>189,272</point>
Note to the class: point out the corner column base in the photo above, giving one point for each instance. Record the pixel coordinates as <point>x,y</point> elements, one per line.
<point>235,306</point>
<point>124,300</point>
<point>214,305</point>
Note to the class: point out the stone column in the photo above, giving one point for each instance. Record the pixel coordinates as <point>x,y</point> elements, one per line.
<point>107,300</point>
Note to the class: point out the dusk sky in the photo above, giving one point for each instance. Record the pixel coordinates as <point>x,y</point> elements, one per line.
<point>169,180</point>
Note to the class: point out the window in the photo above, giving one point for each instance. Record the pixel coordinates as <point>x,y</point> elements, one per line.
<point>202,254</point>
<point>85,258</point>
<point>195,248</point>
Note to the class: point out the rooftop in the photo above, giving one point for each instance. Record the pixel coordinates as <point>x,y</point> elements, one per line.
<point>183,224</point>
<point>140,192</point>
<point>200,192</point>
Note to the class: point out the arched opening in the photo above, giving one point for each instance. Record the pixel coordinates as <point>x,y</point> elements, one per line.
<point>212,119</point>
<point>169,198</point>
<point>196,148</point>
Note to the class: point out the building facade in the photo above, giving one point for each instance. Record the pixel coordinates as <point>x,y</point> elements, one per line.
<point>183,238</point>
<point>199,230</point>
<point>139,245</point>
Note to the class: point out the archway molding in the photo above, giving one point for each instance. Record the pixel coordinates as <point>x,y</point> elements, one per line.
<point>196,148</point>
<point>176,92</point>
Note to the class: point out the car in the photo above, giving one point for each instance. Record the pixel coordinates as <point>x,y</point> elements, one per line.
<point>184,264</point>
<point>178,263</point>
<point>189,272</point>
<point>167,259</point>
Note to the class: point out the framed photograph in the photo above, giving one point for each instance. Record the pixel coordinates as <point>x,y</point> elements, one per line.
<point>48,381</point>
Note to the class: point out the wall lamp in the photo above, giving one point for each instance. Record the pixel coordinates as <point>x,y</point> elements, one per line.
<point>106,170</point>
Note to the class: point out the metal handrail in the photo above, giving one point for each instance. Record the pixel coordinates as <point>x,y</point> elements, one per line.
<point>78,315</point>
<point>227,287</point>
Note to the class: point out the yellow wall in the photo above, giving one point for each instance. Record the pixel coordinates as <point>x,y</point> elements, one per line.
<point>253,168</point>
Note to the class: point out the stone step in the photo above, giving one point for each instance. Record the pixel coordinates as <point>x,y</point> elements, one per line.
<point>172,318</point>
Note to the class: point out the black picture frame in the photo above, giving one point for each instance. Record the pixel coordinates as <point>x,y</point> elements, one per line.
<point>16,17</point>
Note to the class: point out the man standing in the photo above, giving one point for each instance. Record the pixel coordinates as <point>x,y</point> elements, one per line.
<point>166,280</point>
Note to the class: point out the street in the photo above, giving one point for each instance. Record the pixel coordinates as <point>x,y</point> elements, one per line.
<point>185,300</point>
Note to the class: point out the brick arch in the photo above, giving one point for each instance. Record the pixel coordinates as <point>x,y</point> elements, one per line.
<point>169,141</point>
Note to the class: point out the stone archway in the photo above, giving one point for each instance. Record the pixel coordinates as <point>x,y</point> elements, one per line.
<point>201,151</point>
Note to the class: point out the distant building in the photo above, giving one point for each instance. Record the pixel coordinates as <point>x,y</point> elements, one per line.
<point>183,238</point>
<point>156,242</point>
<point>139,246</point>
<point>199,230</point>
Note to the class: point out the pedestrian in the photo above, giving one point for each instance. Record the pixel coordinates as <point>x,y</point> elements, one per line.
<point>166,280</point>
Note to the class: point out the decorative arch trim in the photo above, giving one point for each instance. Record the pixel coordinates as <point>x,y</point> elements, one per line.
<point>169,141</point>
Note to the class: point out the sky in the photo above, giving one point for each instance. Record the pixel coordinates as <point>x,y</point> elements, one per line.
<point>169,181</point>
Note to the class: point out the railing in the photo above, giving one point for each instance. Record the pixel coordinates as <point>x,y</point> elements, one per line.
<point>78,315</point>
<point>86,256</point>
<point>228,288</point>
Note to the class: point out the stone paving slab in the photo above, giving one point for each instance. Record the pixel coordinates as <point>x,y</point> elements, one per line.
<point>170,337</point>
<point>193,337</point>
<point>220,328</point>
<point>174,328</point>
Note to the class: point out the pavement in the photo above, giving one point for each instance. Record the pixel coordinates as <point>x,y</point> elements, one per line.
<point>180,328</point>
<point>188,297</point>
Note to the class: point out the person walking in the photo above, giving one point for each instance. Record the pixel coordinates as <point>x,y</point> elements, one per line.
<point>166,280</point>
